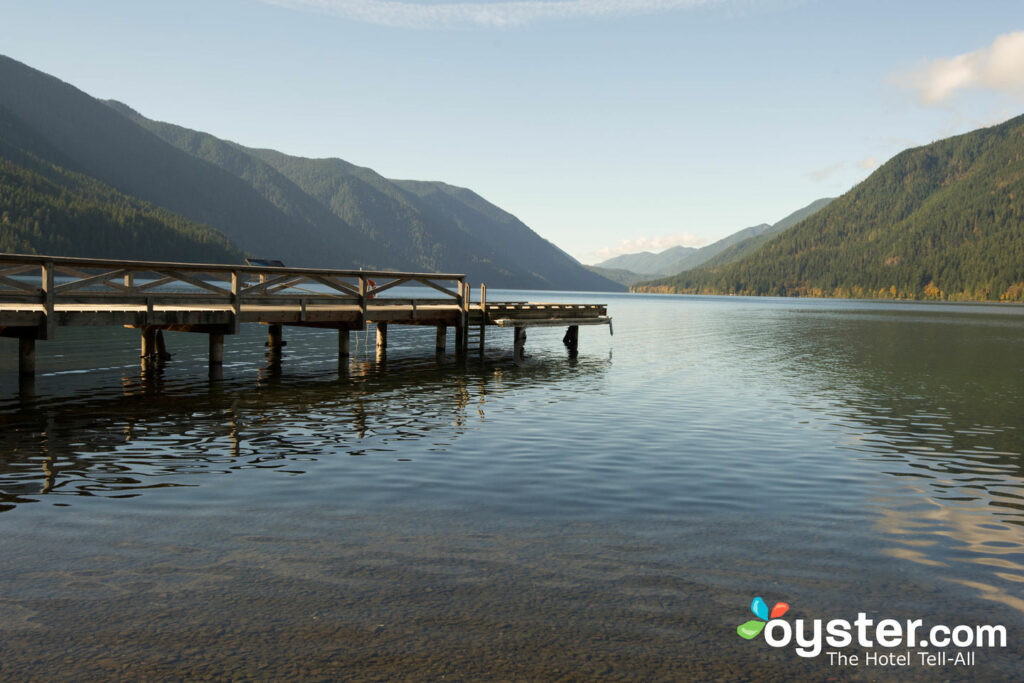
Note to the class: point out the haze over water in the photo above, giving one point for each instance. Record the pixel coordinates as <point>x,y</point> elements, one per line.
<point>609,516</point>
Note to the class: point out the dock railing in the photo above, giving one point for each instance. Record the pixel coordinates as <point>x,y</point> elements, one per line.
<point>43,283</point>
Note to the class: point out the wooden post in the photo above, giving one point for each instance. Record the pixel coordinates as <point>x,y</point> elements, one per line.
<point>26,356</point>
<point>216,348</point>
<point>519,344</point>
<point>343,343</point>
<point>362,302</point>
<point>236,303</point>
<point>572,338</point>
<point>483,317</point>
<point>441,342</point>
<point>465,313</point>
<point>275,340</point>
<point>382,338</point>
<point>50,323</point>
<point>460,322</point>
<point>161,347</point>
<point>148,342</point>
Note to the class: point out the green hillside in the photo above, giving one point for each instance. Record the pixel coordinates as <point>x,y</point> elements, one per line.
<point>943,221</point>
<point>706,253</point>
<point>620,275</point>
<point>77,132</point>
<point>45,209</point>
<point>664,262</point>
<point>738,249</point>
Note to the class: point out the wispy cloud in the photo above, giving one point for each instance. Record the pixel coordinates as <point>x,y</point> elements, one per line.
<point>685,239</point>
<point>998,67</point>
<point>868,163</point>
<point>823,174</point>
<point>501,14</point>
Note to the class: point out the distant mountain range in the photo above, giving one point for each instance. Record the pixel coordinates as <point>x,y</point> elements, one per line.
<point>630,269</point>
<point>89,178</point>
<point>650,263</point>
<point>943,221</point>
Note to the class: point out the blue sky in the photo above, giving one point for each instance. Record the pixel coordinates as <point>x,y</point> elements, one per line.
<point>606,125</point>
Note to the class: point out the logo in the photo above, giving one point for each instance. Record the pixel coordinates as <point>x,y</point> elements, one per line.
<point>813,637</point>
<point>753,628</point>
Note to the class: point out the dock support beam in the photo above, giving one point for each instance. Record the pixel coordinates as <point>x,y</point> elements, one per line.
<point>460,338</point>
<point>343,343</point>
<point>382,339</point>
<point>441,342</point>
<point>572,339</point>
<point>148,343</point>
<point>161,346</point>
<point>519,344</point>
<point>216,349</point>
<point>483,317</point>
<point>275,339</point>
<point>26,356</point>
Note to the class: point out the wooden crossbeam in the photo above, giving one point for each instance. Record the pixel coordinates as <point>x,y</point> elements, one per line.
<point>194,281</point>
<point>102,279</point>
<point>155,283</point>
<point>428,283</point>
<point>18,270</point>
<point>17,284</point>
<point>386,286</point>
<point>263,286</point>
<point>286,284</point>
<point>334,283</point>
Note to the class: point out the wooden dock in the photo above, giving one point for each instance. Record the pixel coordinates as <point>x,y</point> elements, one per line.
<point>39,294</point>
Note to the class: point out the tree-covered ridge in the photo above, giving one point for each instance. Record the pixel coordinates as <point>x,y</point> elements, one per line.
<point>48,210</point>
<point>942,221</point>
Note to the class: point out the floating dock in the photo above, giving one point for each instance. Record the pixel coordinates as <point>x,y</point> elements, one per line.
<point>39,294</point>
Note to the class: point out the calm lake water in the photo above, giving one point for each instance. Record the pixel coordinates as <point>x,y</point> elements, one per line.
<point>605,517</point>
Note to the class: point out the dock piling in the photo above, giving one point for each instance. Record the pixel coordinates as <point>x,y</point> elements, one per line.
<point>343,343</point>
<point>148,343</point>
<point>572,339</point>
<point>216,348</point>
<point>26,356</point>
<point>519,343</point>
<point>275,339</point>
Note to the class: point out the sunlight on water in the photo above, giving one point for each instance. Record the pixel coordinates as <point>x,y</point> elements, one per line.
<point>608,516</point>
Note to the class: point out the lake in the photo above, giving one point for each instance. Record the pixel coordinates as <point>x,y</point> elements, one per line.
<point>609,516</point>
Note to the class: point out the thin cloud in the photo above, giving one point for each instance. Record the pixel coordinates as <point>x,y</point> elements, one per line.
<point>502,14</point>
<point>998,67</point>
<point>868,163</point>
<point>684,239</point>
<point>823,174</point>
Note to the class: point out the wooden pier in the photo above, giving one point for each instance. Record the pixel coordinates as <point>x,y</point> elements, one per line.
<point>39,294</point>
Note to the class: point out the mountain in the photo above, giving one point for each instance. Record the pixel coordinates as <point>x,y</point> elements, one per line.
<point>942,221</point>
<point>650,263</point>
<point>741,248</point>
<point>84,135</point>
<point>708,252</point>
<point>46,209</point>
<point>305,212</point>
<point>677,259</point>
<point>412,225</point>
<point>620,275</point>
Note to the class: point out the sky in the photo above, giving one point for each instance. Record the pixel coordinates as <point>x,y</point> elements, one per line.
<point>608,126</point>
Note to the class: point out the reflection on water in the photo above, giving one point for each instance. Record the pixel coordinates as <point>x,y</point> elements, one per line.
<point>583,517</point>
<point>159,433</point>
